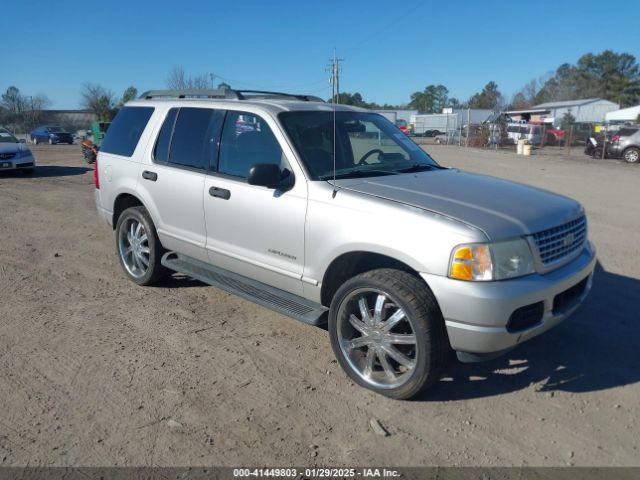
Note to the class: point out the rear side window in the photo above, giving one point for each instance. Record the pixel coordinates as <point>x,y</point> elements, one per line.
<point>627,132</point>
<point>161,150</point>
<point>194,141</point>
<point>125,130</point>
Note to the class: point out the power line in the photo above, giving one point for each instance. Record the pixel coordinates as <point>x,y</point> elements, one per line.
<point>334,69</point>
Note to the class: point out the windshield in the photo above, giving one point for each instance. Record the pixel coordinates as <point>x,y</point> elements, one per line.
<point>6,137</point>
<point>367,144</point>
<point>56,130</point>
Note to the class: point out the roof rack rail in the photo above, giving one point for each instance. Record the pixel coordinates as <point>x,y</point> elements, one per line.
<point>226,93</point>
<point>242,95</point>
<point>190,93</point>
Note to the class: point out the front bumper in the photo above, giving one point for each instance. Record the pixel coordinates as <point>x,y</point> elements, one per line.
<point>25,163</point>
<point>477,313</point>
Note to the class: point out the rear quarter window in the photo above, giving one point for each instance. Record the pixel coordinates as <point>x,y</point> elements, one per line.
<point>627,132</point>
<point>125,130</point>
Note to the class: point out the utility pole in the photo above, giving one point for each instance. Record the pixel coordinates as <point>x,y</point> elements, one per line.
<point>334,68</point>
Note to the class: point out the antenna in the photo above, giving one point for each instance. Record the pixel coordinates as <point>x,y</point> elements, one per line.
<point>335,92</point>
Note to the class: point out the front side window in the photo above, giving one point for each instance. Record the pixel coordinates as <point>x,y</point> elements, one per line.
<point>366,144</point>
<point>125,131</point>
<point>246,141</point>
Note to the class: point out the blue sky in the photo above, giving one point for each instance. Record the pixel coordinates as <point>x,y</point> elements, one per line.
<point>390,48</point>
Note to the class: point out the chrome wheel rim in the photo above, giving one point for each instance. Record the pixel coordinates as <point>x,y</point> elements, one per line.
<point>632,156</point>
<point>376,338</point>
<point>133,245</point>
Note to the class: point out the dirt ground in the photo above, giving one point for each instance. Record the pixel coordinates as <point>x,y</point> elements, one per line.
<point>96,371</point>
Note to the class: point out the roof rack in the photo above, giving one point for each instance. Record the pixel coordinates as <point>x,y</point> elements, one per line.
<point>226,93</point>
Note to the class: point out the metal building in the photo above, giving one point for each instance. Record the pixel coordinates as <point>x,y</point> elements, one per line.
<point>588,110</point>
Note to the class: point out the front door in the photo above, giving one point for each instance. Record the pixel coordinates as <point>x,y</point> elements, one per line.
<point>255,231</point>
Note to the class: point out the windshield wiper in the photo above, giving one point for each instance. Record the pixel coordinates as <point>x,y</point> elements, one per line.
<point>419,167</point>
<point>360,172</point>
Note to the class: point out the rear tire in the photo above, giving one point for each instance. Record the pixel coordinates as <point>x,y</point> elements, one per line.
<point>400,360</point>
<point>35,140</point>
<point>138,246</point>
<point>631,155</point>
<point>597,154</point>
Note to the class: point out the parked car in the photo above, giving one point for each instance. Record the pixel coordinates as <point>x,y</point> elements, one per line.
<point>405,259</point>
<point>51,134</point>
<point>14,154</point>
<point>625,144</point>
<point>554,136</point>
<point>404,126</point>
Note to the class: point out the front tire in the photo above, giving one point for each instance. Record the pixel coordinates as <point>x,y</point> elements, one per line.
<point>387,333</point>
<point>631,155</point>
<point>138,246</point>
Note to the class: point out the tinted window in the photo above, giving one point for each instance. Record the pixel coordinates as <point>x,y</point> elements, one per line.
<point>125,130</point>
<point>366,144</point>
<point>247,140</point>
<point>195,136</point>
<point>627,132</point>
<point>161,150</point>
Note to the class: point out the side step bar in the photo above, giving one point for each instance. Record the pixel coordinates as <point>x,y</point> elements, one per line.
<point>273,298</point>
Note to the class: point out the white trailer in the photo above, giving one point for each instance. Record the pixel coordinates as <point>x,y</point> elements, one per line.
<point>390,115</point>
<point>431,125</point>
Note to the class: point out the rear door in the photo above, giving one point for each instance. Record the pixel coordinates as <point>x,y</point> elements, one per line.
<point>184,151</point>
<point>255,231</point>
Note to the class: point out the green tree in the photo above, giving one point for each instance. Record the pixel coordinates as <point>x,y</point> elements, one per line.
<point>431,100</point>
<point>489,97</point>
<point>129,94</point>
<point>567,120</point>
<point>609,75</point>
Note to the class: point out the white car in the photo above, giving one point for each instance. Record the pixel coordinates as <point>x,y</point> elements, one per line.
<point>329,213</point>
<point>14,153</point>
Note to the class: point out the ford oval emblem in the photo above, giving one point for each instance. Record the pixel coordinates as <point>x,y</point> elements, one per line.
<point>569,239</point>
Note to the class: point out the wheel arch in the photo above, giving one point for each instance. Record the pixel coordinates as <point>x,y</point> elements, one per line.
<point>122,202</point>
<point>353,263</point>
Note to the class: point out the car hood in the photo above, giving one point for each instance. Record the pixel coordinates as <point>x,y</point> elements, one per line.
<point>9,147</point>
<point>500,208</point>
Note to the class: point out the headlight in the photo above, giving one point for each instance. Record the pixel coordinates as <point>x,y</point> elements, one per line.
<point>491,261</point>
<point>25,153</point>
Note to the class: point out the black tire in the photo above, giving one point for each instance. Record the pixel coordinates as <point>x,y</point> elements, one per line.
<point>423,313</point>
<point>155,271</point>
<point>597,153</point>
<point>35,140</point>
<point>631,155</point>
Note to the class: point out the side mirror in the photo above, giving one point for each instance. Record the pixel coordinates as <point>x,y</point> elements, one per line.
<point>264,175</point>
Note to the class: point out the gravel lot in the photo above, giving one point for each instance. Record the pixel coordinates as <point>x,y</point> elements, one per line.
<point>95,371</point>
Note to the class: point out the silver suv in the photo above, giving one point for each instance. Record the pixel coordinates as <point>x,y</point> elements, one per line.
<point>330,213</point>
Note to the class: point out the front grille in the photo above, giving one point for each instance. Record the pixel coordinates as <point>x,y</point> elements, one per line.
<point>569,298</point>
<point>525,317</point>
<point>557,243</point>
<point>7,156</point>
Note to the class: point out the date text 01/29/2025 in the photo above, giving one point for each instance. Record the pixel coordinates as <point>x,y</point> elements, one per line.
<point>316,472</point>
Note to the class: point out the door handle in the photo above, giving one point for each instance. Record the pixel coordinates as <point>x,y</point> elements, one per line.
<point>220,193</point>
<point>147,175</point>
